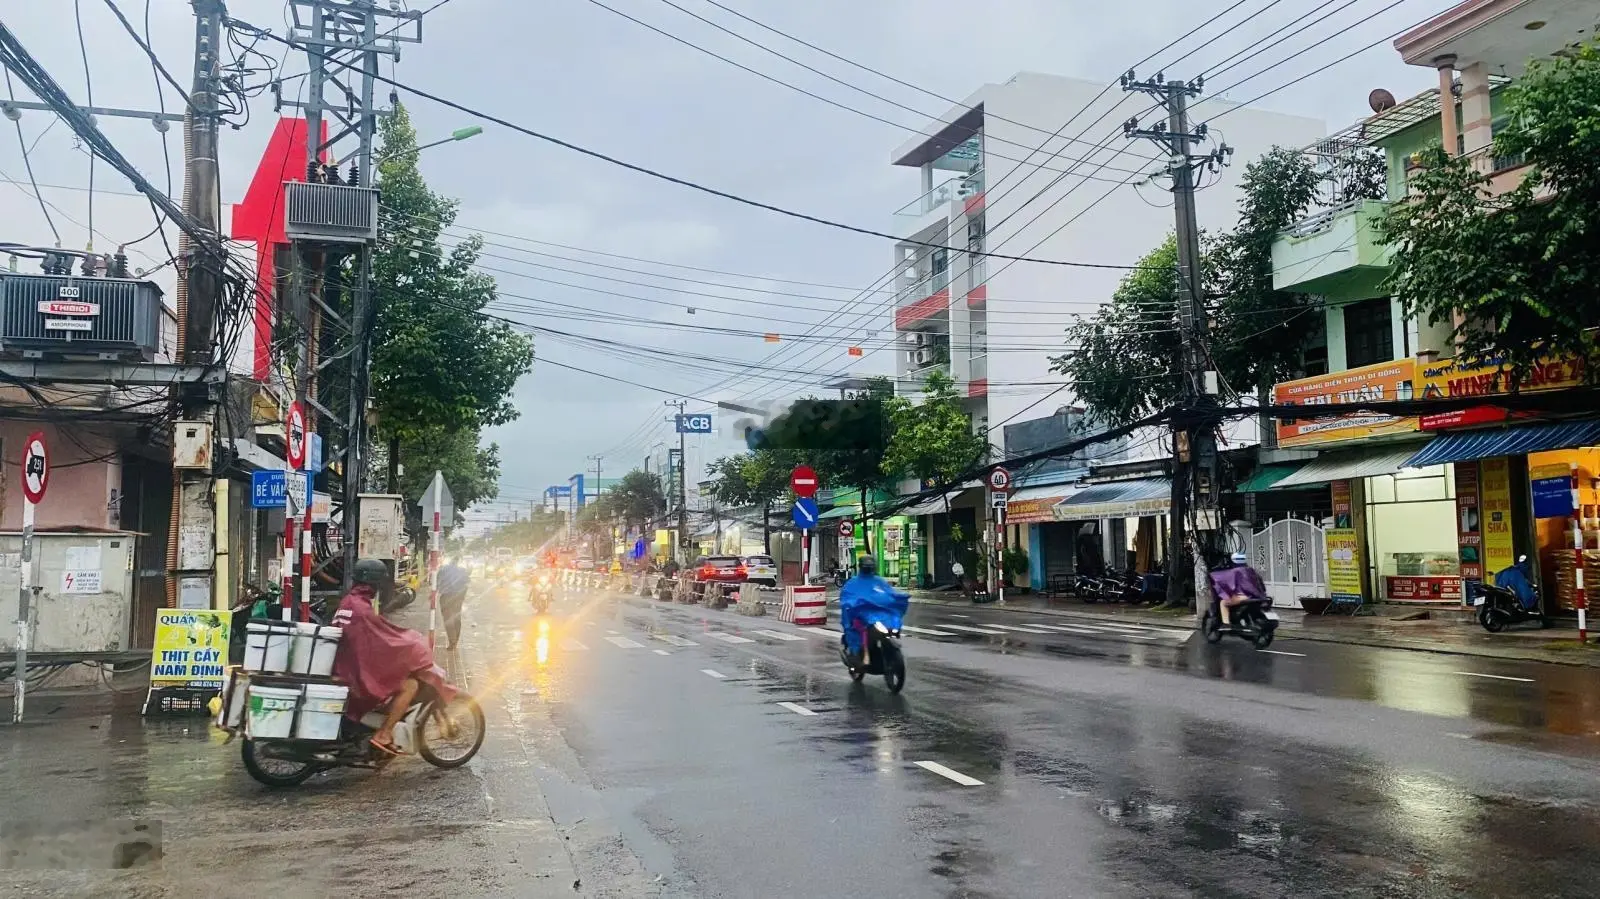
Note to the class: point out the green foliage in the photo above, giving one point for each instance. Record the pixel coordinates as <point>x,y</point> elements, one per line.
<point>1521,268</point>
<point>1016,561</point>
<point>932,439</point>
<point>757,478</point>
<point>471,471</point>
<point>438,365</point>
<point>636,500</point>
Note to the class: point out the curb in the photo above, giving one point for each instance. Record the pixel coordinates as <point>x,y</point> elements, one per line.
<point>1574,660</point>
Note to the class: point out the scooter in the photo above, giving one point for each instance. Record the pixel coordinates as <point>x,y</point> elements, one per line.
<point>882,654</point>
<point>445,735</point>
<point>1254,621</point>
<point>542,594</point>
<point>1499,604</point>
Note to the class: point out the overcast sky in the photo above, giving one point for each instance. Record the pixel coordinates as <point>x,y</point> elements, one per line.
<point>572,69</point>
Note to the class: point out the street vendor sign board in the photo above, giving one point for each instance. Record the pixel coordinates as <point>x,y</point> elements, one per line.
<point>191,649</point>
<point>1381,383</point>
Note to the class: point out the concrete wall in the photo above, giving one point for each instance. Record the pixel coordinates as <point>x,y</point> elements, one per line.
<point>84,490</point>
<point>67,621</point>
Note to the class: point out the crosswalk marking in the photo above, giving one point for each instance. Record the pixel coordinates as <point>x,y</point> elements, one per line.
<point>1019,627</point>
<point>708,672</point>
<point>661,652</point>
<point>957,776</point>
<point>797,708</point>
<point>987,631</point>
<point>1074,629</point>
<point>729,638</point>
<point>675,640</point>
<point>624,643</point>
<point>779,636</point>
<point>573,646</point>
<point>925,631</point>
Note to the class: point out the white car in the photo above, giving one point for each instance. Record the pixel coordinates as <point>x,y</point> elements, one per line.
<point>761,570</point>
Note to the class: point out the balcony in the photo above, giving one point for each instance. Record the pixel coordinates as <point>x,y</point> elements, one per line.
<point>1335,253</point>
<point>1506,173</point>
<point>924,299</point>
<point>966,188</point>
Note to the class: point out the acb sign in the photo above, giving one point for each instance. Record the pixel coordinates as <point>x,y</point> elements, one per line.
<point>694,424</point>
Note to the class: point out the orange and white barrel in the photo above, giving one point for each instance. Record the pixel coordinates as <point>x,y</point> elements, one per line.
<point>810,604</point>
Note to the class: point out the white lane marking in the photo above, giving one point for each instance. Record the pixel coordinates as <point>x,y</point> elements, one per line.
<point>624,643</point>
<point>1073,629</point>
<point>709,672</point>
<point>1520,680</point>
<point>957,615</point>
<point>730,638</point>
<point>610,632</point>
<point>1279,652</point>
<point>661,652</point>
<point>925,631</point>
<point>987,631</point>
<point>1019,627</point>
<point>573,646</point>
<point>675,640</point>
<point>797,708</point>
<point>778,636</point>
<point>956,776</point>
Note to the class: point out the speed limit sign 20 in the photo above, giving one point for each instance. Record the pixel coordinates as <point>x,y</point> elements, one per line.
<point>35,468</point>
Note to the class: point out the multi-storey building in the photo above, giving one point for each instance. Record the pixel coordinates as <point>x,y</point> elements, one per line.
<point>1419,507</point>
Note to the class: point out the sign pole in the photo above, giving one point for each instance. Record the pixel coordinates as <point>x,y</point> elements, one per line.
<point>35,478</point>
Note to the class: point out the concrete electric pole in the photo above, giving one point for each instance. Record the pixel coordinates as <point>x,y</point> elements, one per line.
<point>682,485</point>
<point>1194,476</point>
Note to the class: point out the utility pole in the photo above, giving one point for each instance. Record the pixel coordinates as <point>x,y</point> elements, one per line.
<point>1194,476</point>
<point>596,459</point>
<point>683,478</point>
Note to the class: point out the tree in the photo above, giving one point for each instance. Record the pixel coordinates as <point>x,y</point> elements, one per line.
<point>932,440</point>
<point>636,500</point>
<point>844,440</point>
<point>471,471</point>
<point>1514,275</point>
<point>757,478</point>
<point>438,363</point>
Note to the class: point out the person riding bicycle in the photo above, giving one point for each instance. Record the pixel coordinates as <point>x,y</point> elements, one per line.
<point>379,660</point>
<point>1235,586</point>
<point>863,599</point>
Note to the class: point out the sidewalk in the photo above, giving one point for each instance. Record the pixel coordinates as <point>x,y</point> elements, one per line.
<point>1440,633</point>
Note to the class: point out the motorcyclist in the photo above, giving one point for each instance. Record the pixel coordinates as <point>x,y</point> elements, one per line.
<point>861,599</point>
<point>1236,585</point>
<point>378,659</point>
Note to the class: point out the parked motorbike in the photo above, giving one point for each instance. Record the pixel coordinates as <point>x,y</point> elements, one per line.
<point>1511,599</point>
<point>1254,621</point>
<point>445,735</point>
<point>882,654</point>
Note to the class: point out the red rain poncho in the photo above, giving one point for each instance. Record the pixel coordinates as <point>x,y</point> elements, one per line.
<point>375,656</point>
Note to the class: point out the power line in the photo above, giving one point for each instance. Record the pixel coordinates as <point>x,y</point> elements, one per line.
<point>27,162</point>
<point>88,83</point>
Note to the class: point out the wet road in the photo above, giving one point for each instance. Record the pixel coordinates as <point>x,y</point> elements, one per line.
<point>643,749</point>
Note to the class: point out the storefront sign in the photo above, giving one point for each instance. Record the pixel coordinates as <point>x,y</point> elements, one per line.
<point>1423,589</point>
<point>1551,486</point>
<point>191,649</point>
<point>1469,521</point>
<point>1385,382</point>
<point>1342,507</point>
<point>1344,563</point>
<point>1447,380</point>
<point>1031,511</point>
<point>1494,491</point>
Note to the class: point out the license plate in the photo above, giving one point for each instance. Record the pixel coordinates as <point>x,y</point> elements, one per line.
<point>1272,616</point>
<point>1478,601</point>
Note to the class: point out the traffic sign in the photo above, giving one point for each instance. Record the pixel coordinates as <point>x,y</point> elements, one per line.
<point>35,468</point>
<point>693,424</point>
<point>805,513</point>
<point>998,500</point>
<point>803,481</point>
<point>999,479</point>
<point>295,435</point>
<point>846,528</point>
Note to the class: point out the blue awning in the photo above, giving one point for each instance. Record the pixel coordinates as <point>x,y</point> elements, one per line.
<point>1514,441</point>
<point>1123,499</point>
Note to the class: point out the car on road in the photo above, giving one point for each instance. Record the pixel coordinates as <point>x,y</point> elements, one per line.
<point>718,570</point>
<point>761,569</point>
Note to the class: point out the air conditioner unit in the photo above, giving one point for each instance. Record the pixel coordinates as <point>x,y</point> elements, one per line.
<point>57,316</point>
<point>916,338</point>
<point>921,357</point>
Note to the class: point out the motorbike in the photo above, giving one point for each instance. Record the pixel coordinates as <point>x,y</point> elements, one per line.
<point>881,654</point>
<point>1254,621</point>
<point>1499,605</point>
<point>542,593</point>
<point>445,735</point>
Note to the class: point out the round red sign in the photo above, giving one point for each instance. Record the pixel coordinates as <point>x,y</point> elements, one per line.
<point>35,468</point>
<point>846,528</point>
<point>295,435</point>
<point>803,481</point>
<point>999,479</point>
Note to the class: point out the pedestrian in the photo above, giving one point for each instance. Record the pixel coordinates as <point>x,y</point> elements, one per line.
<point>453,582</point>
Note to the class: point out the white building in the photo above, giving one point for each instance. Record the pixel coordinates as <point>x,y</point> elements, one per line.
<point>992,324</point>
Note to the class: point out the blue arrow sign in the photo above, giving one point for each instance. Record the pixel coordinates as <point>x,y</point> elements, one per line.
<point>805,513</point>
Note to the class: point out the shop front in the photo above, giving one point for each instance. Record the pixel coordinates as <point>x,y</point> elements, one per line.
<point>1049,543</point>
<point>1119,525</point>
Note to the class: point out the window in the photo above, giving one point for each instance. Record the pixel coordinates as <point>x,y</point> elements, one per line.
<point>1368,333</point>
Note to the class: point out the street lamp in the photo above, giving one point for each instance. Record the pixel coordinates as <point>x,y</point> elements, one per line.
<point>457,135</point>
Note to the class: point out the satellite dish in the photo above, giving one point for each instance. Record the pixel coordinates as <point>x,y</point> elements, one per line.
<point>1380,100</point>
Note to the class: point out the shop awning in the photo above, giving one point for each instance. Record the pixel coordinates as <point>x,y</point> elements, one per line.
<point>1267,476</point>
<point>1125,499</point>
<point>840,512</point>
<point>1033,504</point>
<point>934,506</point>
<point>1515,441</point>
<point>1348,466</point>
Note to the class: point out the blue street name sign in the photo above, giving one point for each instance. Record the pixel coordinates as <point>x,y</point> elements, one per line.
<point>805,513</point>
<point>267,489</point>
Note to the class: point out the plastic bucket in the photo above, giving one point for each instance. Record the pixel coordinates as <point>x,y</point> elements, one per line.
<point>312,649</point>
<point>272,712</point>
<point>234,699</point>
<point>321,711</point>
<point>266,646</point>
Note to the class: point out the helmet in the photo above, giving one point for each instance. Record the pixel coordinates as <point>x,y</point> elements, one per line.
<point>867,565</point>
<point>370,571</point>
<point>1240,559</point>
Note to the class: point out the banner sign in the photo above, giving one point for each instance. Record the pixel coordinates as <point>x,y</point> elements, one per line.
<point>1494,495</point>
<point>1469,521</point>
<point>1449,380</point>
<point>1383,382</point>
<point>1424,589</point>
<point>191,649</point>
<point>1344,563</point>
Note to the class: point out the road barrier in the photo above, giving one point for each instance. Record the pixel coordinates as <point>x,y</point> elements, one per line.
<point>806,605</point>
<point>751,601</point>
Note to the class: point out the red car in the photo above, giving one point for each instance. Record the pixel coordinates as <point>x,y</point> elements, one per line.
<point>718,570</point>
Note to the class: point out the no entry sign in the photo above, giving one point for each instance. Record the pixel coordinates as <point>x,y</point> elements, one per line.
<point>35,468</point>
<point>803,481</point>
